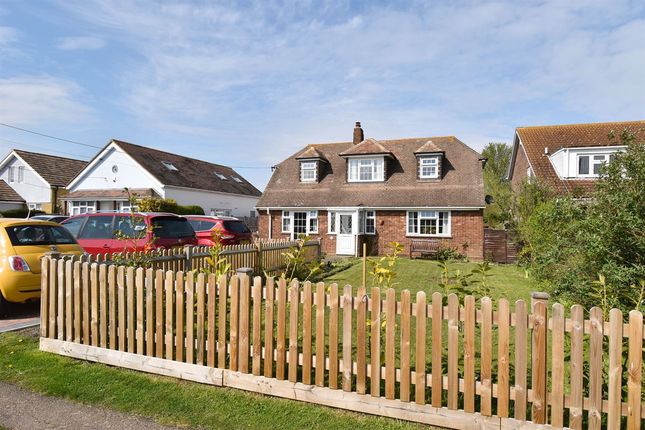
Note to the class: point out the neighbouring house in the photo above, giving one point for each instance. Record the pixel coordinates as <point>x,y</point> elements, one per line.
<point>40,179</point>
<point>147,172</point>
<point>9,198</point>
<point>567,158</point>
<point>378,191</point>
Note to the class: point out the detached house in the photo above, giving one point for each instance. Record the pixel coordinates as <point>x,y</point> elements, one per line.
<point>567,157</point>
<point>40,179</point>
<point>378,191</point>
<point>148,172</point>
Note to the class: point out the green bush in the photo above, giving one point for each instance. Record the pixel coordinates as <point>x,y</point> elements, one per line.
<point>154,204</point>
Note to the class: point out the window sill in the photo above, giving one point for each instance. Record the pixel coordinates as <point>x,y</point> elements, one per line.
<point>422,236</point>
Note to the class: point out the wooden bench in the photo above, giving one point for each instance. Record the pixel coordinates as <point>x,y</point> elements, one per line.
<point>425,247</point>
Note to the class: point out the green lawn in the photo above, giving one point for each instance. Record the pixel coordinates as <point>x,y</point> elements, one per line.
<point>507,281</point>
<point>167,400</point>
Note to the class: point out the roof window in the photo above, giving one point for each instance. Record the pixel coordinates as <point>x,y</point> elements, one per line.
<point>169,166</point>
<point>236,179</point>
<point>222,177</point>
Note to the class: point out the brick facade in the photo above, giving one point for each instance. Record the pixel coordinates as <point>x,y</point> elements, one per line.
<point>467,229</point>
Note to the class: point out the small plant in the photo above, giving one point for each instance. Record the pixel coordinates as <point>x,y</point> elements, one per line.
<point>449,254</point>
<point>383,272</point>
<point>297,265</point>
<point>131,232</point>
<point>216,264</point>
<point>482,273</point>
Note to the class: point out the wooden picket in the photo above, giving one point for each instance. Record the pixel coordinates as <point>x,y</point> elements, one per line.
<point>311,343</point>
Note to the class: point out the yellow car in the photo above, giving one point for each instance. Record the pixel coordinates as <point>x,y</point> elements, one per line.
<point>22,243</point>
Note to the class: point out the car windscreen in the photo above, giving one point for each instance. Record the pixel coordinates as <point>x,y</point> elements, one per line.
<point>236,227</point>
<point>171,227</point>
<point>27,235</point>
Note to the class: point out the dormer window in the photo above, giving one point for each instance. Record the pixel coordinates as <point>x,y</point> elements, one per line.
<point>308,171</point>
<point>366,169</point>
<point>169,166</point>
<point>429,167</point>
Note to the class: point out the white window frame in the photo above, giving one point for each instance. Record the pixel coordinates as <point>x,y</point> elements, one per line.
<point>415,229</point>
<point>287,221</point>
<point>308,171</point>
<point>332,228</point>
<point>429,163</point>
<point>592,163</point>
<point>11,173</point>
<point>376,167</point>
<point>286,217</point>
<point>82,207</point>
<point>21,173</point>
<point>368,214</point>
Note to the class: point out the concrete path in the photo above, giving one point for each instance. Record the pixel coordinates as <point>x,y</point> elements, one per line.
<point>25,410</point>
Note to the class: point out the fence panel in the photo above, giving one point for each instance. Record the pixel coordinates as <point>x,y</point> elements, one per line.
<point>218,331</point>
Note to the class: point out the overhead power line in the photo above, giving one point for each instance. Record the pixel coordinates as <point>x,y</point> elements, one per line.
<point>50,136</point>
<point>99,147</point>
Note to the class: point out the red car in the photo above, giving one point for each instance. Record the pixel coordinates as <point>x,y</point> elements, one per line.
<point>100,233</point>
<point>233,231</point>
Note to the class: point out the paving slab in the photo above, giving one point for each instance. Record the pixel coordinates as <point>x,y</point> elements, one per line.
<point>20,316</point>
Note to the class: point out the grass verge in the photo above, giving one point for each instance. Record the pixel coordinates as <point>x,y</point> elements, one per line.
<point>167,400</point>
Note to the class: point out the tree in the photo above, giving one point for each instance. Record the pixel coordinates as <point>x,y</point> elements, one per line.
<point>498,212</point>
<point>592,251</point>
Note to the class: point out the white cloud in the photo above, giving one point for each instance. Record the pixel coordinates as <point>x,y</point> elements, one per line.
<point>7,35</point>
<point>40,99</point>
<point>276,76</point>
<point>80,43</point>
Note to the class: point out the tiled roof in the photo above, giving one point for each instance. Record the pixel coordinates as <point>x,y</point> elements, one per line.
<point>555,137</point>
<point>58,171</point>
<point>309,153</point>
<point>461,184</point>
<point>8,194</point>
<point>189,172</point>
<point>366,147</point>
<point>428,148</point>
<point>116,194</point>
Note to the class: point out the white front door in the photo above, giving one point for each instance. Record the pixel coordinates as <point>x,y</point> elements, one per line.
<point>346,237</point>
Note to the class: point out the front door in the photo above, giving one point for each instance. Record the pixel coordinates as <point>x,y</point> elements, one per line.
<point>345,239</point>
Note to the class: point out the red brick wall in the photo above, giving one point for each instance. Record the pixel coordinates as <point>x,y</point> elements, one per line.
<point>467,228</point>
<point>519,168</point>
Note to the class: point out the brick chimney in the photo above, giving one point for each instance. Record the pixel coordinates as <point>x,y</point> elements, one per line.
<point>358,133</point>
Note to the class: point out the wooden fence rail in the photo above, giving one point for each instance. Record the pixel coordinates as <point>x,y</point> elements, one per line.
<point>261,256</point>
<point>434,360</point>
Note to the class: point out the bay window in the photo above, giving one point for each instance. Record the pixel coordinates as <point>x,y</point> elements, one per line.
<point>428,223</point>
<point>366,169</point>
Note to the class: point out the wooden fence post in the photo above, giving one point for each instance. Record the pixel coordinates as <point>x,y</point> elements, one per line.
<point>188,258</point>
<point>539,356</point>
<point>259,269</point>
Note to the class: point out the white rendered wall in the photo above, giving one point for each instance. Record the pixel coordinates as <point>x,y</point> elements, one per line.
<point>238,205</point>
<point>129,174</point>
<point>33,189</point>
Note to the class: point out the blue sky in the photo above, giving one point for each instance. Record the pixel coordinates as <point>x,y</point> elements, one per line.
<point>248,83</point>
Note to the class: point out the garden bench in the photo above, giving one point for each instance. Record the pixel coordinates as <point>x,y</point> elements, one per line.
<point>425,247</point>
